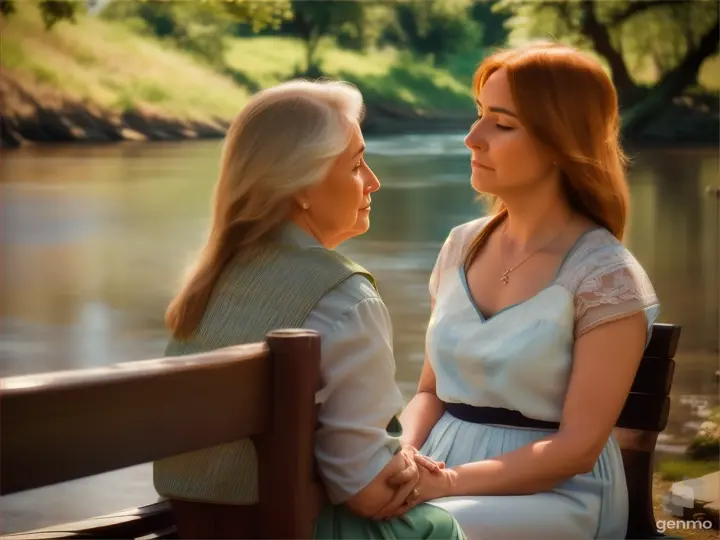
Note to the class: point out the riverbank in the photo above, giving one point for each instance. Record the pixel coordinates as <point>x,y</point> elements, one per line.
<point>100,81</point>
<point>48,116</point>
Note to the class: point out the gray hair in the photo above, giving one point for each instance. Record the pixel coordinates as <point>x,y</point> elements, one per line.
<point>284,140</point>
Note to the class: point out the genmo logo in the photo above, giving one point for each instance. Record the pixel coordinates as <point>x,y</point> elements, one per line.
<point>670,525</point>
<point>681,498</point>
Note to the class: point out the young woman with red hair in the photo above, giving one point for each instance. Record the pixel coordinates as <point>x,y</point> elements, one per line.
<point>540,314</point>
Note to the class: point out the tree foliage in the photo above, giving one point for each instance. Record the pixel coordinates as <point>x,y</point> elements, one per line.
<point>437,27</point>
<point>313,20</point>
<point>493,22</point>
<point>196,27</point>
<point>52,11</point>
<point>641,41</point>
<point>259,14</point>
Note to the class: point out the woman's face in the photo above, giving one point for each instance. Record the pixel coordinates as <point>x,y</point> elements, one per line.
<point>339,206</point>
<point>504,155</point>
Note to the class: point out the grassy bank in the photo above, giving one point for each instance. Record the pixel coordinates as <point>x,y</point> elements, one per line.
<point>107,65</point>
<point>132,84</point>
<point>386,76</point>
<point>99,80</point>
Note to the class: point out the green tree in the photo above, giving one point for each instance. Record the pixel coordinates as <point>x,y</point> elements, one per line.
<point>367,30</point>
<point>258,14</point>
<point>198,27</point>
<point>493,22</point>
<point>437,27</point>
<point>315,19</point>
<point>674,38</point>
<point>52,11</point>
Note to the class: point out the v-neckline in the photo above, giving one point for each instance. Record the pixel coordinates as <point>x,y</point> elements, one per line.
<point>483,317</point>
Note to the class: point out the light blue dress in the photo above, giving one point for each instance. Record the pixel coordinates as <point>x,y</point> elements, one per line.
<point>520,358</point>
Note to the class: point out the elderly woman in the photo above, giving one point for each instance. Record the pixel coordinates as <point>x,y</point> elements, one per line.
<point>294,185</point>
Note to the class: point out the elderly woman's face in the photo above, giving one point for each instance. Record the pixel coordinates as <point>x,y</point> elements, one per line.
<point>339,206</point>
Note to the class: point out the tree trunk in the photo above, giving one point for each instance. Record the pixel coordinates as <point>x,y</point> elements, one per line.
<point>308,31</point>
<point>312,44</point>
<point>600,37</point>
<point>672,84</point>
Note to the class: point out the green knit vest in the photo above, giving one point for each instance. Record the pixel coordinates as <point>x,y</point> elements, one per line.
<point>271,287</point>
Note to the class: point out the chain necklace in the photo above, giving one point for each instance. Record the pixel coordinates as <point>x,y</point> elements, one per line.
<point>505,278</point>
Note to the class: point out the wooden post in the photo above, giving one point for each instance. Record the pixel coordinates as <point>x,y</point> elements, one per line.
<point>642,419</point>
<point>286,453</point>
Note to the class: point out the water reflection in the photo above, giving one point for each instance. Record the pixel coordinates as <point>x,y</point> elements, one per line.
<point>93,241</point>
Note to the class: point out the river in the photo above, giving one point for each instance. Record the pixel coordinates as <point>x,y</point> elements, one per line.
<point>94,239</point>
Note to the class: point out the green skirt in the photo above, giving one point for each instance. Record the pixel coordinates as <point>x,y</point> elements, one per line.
<point>424,521</point>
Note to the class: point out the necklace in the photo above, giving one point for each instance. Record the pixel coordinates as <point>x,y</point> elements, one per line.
<point>505,278</point>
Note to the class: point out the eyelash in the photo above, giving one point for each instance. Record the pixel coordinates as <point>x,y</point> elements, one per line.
<point>357,167</point>
<point>498,126</point>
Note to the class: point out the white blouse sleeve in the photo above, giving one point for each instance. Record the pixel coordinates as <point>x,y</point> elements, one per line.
<point>359,395</point>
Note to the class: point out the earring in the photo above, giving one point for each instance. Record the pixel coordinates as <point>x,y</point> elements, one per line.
<point>305,205</point>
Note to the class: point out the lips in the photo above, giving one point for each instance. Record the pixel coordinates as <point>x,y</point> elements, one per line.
<point>480,165</point>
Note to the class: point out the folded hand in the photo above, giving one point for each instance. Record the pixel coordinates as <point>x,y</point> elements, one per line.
<point>406,481</point>
<point>432,485</point>
<point>414,459</point>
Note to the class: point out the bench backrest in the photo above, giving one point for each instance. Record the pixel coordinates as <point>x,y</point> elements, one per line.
<point>64,426</point>
<point>643,417</point>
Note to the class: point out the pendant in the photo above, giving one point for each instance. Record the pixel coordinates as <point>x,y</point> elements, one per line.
<point>505,277</point>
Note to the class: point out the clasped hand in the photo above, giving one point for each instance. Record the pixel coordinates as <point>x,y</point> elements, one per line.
<point>421,480</point>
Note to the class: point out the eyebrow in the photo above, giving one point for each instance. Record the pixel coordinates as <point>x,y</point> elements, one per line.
<point>499,110</point>
<point>360,151</point>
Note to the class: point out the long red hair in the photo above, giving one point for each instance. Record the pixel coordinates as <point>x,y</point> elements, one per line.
<point>567,102</point>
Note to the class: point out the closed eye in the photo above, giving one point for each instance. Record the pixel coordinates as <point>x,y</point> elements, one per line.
<point>501,127</point>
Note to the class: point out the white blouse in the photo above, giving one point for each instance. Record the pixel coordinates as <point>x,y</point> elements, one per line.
<point>359,395</point>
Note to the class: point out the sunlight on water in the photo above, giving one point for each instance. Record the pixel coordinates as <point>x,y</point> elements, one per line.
<point>94,240</point>
<point>418,145</point>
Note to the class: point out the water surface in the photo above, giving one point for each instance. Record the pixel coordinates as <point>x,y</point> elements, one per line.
<point>94,239</point>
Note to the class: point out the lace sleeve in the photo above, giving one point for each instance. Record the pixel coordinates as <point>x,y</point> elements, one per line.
<point>612,285</point>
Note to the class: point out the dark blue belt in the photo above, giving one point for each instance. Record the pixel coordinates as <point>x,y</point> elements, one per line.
<point>496,415</point>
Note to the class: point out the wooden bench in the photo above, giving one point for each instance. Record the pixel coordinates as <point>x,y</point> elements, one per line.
<point>64,426</point>
<point>643,417</point>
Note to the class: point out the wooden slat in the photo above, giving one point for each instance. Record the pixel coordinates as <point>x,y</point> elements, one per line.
<point>664,341</point>
<point>152,520</point>
<point>654,376</point>
<point>287,488</point>
<point>62,426</point>
<point>290,498</point>
<point>645,412</point>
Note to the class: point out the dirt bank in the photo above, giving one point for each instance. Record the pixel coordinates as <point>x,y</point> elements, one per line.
<point>46,117</point>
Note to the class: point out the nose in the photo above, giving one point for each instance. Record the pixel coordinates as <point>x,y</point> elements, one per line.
<point>475,139</point>
<point>372,184</point>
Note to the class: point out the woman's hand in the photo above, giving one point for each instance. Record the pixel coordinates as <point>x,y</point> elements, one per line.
<point>432,485</point>
<point>410,474</point>
<point>414,459</point>
<point>406,482</point>
<point>424,461</point>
